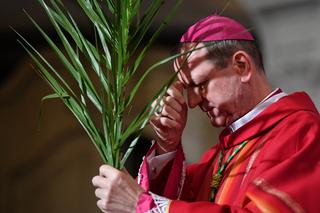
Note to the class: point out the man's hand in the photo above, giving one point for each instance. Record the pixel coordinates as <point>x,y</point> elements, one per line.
<point>170,123</point>
<point>117,191</point>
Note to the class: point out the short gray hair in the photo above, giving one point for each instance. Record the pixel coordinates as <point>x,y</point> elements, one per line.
<point>221,51</point>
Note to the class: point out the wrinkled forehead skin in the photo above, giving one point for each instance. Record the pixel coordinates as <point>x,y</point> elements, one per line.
<point>192,54</point>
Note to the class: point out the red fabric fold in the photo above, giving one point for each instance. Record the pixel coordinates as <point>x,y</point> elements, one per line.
<point>277,171</point>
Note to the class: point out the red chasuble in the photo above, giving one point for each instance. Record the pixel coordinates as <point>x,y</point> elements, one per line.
<point>278,170</point>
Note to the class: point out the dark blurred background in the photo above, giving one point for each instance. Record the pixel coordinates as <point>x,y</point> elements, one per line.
<point>47,164</point>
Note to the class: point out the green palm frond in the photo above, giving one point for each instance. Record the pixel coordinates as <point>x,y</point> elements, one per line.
<point>112,60</point>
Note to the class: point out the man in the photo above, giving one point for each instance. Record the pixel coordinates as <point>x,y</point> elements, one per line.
<point>267,159</point>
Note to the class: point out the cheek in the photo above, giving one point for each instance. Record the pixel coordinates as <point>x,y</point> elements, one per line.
<point>223,92</point>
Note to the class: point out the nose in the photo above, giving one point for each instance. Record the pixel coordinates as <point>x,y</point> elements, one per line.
<point>194,97</point>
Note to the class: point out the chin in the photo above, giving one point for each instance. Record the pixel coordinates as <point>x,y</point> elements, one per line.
<point>221,122</point>
<point>218,124</point>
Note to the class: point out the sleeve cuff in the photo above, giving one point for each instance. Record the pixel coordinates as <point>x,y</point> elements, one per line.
<point>157,163</point>
<point>149,202</point>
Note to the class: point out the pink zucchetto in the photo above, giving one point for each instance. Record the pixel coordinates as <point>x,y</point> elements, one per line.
<point>216,28</point>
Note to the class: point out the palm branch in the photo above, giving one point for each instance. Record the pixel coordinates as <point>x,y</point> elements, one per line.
<point>115,55</point>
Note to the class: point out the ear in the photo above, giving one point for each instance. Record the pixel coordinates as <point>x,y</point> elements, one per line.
<point>243,65</point>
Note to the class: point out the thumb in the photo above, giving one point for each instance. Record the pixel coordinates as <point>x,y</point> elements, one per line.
<point>179,85</point>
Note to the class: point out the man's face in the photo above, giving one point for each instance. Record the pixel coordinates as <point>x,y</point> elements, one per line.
<point>216,91</point>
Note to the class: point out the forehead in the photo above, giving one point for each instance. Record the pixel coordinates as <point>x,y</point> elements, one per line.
<point>194,64</point>
<point>192,50</point>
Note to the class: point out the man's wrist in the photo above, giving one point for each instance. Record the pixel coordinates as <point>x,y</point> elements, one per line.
<point>160,149</point>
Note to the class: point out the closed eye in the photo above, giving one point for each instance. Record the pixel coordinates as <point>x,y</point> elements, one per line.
<point>203,86</point>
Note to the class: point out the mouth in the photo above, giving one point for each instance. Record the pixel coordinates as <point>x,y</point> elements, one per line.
<point>218,118</point>
<point>213,111</point>
<point>211,114</point>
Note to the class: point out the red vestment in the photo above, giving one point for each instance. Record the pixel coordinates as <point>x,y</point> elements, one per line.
<point>277,171</point>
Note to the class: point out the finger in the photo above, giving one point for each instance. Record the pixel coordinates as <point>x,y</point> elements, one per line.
<point>162,134</point>
<point>180,86</point>
<point>171,113</point>
<point>155,102</point>
<point>179,63</point>
<point>160,124</point>
<point>101,193</point>
<point>107,171</point>
<point>155,121</point>
<point>102,204</point>
<point>184,77</point>
<point>158,108</point>
<point>162,137</point>
<point>167,122</point>
<point>176,91</point>
<point>180,78</point>
<point>160,130</point>
<point>172,102</point>
<point>99,181</point>
<point>176,65</point>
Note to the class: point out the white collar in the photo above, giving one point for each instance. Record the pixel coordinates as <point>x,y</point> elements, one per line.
<point>273,97</point>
